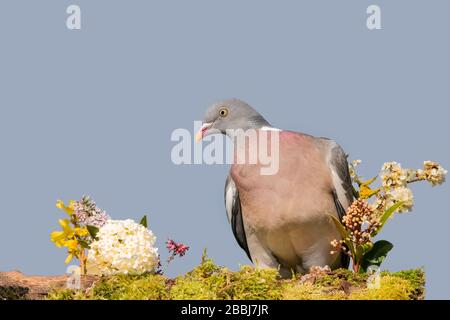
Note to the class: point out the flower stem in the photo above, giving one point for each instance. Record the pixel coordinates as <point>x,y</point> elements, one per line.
<point>83,260</point>
<point>356,267</point>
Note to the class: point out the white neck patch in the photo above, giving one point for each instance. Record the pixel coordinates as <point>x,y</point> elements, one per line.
<point>265,128</point>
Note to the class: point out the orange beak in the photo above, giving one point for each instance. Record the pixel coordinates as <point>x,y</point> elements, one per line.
<point>201,133</point>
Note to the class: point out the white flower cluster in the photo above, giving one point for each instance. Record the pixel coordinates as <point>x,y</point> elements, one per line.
<point>434,173</point>
<point>352,169</point>
<point>394,181</point>
<point>124,247</point>
<point>393,175</point>
<point>401,194</point>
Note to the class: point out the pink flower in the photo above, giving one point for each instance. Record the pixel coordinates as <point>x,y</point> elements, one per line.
<point>176,248</point>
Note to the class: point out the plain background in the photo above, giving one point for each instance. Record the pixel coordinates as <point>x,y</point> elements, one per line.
<point>92,111</point>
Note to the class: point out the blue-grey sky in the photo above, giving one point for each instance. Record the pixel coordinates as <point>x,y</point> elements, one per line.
<point>92,111</point>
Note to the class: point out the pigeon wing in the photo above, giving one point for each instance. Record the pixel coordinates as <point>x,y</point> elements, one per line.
<point>342,182</point>
<point>234,214</point>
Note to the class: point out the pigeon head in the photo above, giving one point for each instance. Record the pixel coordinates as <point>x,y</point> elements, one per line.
<point>231,114</point>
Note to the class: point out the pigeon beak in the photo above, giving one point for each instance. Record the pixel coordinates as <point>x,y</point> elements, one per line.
<point>201,133</point>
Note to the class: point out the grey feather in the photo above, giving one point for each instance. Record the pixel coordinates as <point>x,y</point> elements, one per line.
<point>340,164</point>
<point>234,214</point>
<point>340,210</point>
<point>345,259</point>
<point>343,190</point>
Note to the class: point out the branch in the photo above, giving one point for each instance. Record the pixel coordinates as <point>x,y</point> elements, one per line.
<point>15,285</point>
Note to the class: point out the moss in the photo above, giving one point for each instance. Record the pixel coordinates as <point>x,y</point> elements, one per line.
<point>307,291</point>
<point>255,284</point>
<point>202,283</point>
<point>187,290</point>
<point>391,288</point>
<point>66,294</point>
<point>417,278</point>
<point>120,287</point>
<point>331,286</point>
<point>209,281</point>
<point>335,278</point>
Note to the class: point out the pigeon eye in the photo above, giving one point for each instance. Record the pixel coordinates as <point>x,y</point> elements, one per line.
<point>223,112</point>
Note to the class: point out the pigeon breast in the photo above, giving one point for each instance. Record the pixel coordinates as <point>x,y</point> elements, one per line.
<point>287,211</point>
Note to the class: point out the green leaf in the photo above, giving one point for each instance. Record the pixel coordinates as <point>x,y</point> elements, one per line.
<point>355,192</point>
<point>389,212</point>
<point>84,244</point>
<point>386,215</point>
<point>366,247</point>
<point>376,255</point>
<point>92,231</point>
<point>344,234</point>
<point>368,182</point>
<point>144,221</point>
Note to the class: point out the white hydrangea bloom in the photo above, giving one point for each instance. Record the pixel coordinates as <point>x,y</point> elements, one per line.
<point>124,247</point>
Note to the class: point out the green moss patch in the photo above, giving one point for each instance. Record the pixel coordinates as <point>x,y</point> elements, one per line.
<point>209,281</point>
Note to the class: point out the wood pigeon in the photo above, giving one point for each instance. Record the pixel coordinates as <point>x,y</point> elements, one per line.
<point>282,220</point>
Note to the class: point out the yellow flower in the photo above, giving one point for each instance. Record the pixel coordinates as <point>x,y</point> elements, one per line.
<point>58,237</point>
<point>68,209</point>
<point>60,204</point>
<point>72,234</point>
<point>68,259</point>
<point>67,229</point>
<point>67,235</point>
<point>71,244</point>
<point>365,191</point>
<point>81,232</point>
